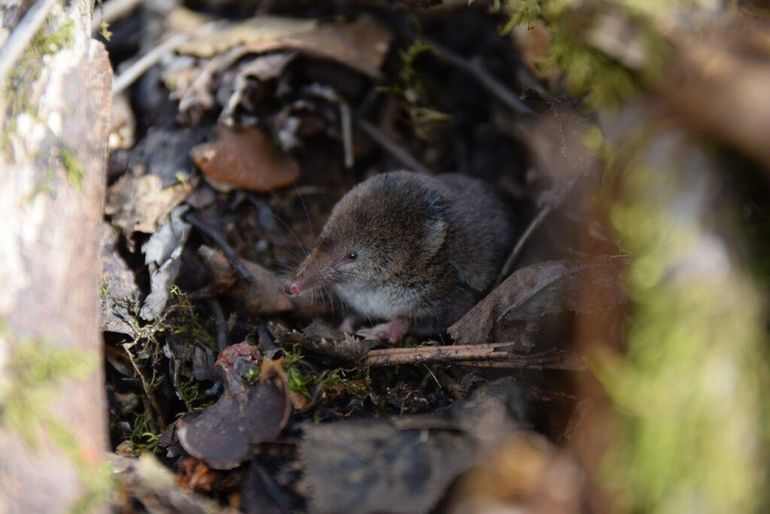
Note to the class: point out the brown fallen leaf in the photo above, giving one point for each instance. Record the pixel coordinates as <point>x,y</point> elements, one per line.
<point>244,158</point>
<point>360,44</point>
<point>223,434</point>
<point>194,475</point>
<point>263,295</point>
<point>405,464</point>
<point>137,203</point>
<point>539,290</point>
<point>369,466</point>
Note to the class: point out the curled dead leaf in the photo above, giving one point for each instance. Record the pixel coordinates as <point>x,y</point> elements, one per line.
<point>405,464</point>
<point>137,203</point>
<point>223,434</point>
<point>539,290</point>
<point>360,44</point>
<point>263,295</point>
<point>244,158</point>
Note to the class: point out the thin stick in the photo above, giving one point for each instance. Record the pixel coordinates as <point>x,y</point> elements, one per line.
<point>346,123</point>
<point>147,61</point>
<point>112,11</point>
<point>488,81</point>
<point>564,361</point>
<point>484,355</point>
<point>401,155</point>
<point>555,198</point>
<point>511,260</point>
<point>347,134</point>
<point>19,40</point>
<point>219,240</point>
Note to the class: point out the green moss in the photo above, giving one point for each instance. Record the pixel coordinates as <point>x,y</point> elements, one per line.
<point>599,78</point>
<point>36,374</point>
<point>52,37</point>
<point>590,74</point>
<point>422,117</point>
<point>72,167</point>
<point>519,12</point>
<point>145,434</point>
<point>689,392</point>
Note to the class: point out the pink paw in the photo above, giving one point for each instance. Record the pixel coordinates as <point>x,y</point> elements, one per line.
<point>392,331</point>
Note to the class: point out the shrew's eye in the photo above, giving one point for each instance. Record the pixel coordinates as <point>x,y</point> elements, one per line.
<point>352,256</point>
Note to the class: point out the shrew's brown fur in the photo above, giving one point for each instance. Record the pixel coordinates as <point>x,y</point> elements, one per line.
<point>410,246</point>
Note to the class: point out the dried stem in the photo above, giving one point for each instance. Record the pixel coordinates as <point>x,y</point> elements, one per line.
<point>220,241</point>
<point>393,148</point>
<point>496,355</point>
<point>488,81</point>
<point>145,62</point>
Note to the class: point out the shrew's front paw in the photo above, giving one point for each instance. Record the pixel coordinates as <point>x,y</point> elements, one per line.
<point>392,331</point>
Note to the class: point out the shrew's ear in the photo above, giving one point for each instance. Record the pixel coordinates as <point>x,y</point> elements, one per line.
<point>435,235</point>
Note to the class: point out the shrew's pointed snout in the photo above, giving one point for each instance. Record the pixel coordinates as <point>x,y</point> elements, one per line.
<point>292,288</point>
<point>313,272</point>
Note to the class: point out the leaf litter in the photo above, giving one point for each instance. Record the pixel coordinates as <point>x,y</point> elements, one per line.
<point>266,136</point>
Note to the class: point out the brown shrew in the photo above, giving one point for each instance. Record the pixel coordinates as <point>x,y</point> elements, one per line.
<point>415,250</point>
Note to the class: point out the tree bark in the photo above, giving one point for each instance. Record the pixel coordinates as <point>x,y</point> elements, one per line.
<point>55,114</point>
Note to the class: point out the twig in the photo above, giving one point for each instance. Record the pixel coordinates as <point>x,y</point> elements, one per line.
<point>402,155</point>
<point>18,41</point>
<point>489,82</point>
<point>147,61</point>
<point>112,11</point>
<point>554,199</point>
<point>346,124</point>
<point>511,260</point>
<point>565,361</point>
<point>347,134</point>
<point>481,355</point>
<point>219,240</point>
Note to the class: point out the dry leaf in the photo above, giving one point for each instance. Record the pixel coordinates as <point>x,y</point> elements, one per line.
<point>406,464</point>
<point>222,435</point>
<point>263,295</point>
<point>162,254</point>
<point>361,44</point>
<point>244,158</point>
<point>368,466</point>
<point>539,290</point>
<point>137,203</point>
